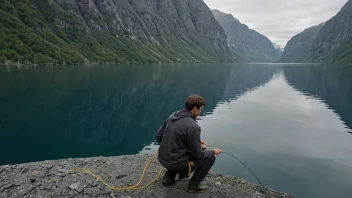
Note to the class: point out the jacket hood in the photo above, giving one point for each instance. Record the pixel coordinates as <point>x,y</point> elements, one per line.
<point>181,114</point>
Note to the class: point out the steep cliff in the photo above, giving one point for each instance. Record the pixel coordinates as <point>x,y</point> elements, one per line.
<point>246,42</point>
<point>333,44</point>
<point>123,31</point>
<point>298,46</point>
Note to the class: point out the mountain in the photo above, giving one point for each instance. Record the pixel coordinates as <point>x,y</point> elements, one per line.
<point>246,42</point>
<point>298,46</point>
<point>123,31</point>
<point>333,44</point>
<point>278,49</point>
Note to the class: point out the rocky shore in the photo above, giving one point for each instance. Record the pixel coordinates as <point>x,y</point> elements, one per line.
<point>53,179</point>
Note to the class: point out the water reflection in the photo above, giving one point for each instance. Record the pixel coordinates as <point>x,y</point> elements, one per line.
<point>288,123</point>
<point>291,140</point>
<point>331,84</point>
<point>53,113</point>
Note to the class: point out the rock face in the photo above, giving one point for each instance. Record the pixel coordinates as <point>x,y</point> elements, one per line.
<point>330,42</point>
<point>246,42</point>
<point>334,41</point>
<point>111,30</point>
<point>119,171</point>
<point>299,45</point>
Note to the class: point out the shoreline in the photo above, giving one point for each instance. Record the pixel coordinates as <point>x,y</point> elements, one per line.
<point>52,178</point>
<point>18,64</point>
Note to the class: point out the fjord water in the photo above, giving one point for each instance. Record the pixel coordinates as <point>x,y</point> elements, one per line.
<point>289,123</point>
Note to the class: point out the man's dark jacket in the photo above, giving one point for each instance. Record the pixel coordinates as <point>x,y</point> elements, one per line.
<point>179,139</point>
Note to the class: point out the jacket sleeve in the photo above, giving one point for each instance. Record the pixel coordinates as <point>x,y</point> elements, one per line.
<point>160,133</point>
<point>195,145</point>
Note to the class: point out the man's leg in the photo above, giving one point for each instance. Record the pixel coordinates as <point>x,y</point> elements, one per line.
<point>169,178</point>
<point>201,167</point>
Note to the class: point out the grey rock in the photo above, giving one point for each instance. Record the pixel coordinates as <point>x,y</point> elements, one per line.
<point>329,42</point>
<point>61,174</point>
<point>47,186</point>
<point>51,173</point>
<point>64,192</point>
<point>38,174</point>
<point>72,192</point>
<point>91,191</point>
<point>8,186</point>
<point>220,186</point>
<point>61,190</point>
<point>19,180</point>
<point>333,42</point>
<point>248,43</point>
<point>25,189</point>
<point>299,45</point>
<point>183,30</point>
<point>83,196</point>
<point>55,179</point>
<point>79,190</point>
<point>94,184</point>
<point>75,186</point>
<point>46,166</point>
<point>24,170</point>
<point>258,195</point>
<point>62,170</point>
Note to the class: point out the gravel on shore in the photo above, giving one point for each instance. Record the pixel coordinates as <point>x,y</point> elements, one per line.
<point>53,179</point>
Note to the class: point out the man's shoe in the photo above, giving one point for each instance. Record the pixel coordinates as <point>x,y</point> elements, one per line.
<point>169,178</point>
<point>196,188</point>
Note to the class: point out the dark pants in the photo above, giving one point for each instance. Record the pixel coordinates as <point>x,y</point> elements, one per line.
<point>201,168</point>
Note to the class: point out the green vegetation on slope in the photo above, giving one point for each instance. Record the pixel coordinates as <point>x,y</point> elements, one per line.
<point>42,32</point>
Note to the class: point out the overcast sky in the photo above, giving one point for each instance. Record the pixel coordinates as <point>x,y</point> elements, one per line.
<point>279,20</point>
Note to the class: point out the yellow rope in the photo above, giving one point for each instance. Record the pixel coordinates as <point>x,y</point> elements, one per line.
<point>134,187</point>
<point>190,164</point>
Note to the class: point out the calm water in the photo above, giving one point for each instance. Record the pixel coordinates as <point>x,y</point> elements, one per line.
<point>289,123</point>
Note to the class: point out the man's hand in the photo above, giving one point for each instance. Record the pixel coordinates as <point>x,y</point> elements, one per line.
<point>217,151</point>
<point>202,143</point>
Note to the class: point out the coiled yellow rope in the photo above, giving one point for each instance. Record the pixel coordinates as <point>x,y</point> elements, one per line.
<point>134,187</point>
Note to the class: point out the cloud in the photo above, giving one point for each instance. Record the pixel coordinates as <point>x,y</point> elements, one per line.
<point>279,20</point>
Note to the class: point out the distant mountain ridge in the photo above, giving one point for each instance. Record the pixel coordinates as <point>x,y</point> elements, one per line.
<point>333,44</point>
<point>298,46</point>
<point>248,43</point>
<point>329,42</point>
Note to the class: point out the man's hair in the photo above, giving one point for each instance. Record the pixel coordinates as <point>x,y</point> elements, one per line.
<point>194,101</point>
